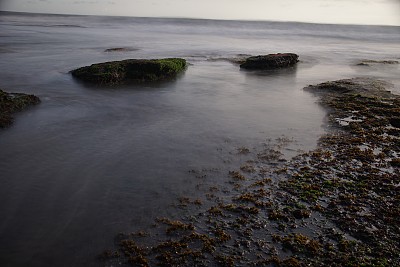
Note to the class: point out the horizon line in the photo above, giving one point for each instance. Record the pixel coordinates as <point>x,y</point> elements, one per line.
<point>200,18</point>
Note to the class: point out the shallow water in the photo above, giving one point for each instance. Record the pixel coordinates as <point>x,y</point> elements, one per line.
<point>90,162</point>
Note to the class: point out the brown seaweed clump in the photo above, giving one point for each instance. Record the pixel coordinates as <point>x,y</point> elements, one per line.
<point>11,103</point>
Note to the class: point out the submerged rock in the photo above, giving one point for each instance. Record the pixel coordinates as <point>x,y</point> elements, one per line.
<point>130,70</point>
<point>14,102</point>
<point>271,61</point>
<point>120,49</point>
<point>368,62</point>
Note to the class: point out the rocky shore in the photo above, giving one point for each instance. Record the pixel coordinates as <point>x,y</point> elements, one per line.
<point>337,205</point>
<point>131,70</point>
<point>11,103</point>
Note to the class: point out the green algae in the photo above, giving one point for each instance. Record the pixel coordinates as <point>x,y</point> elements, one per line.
<point>131,70</point>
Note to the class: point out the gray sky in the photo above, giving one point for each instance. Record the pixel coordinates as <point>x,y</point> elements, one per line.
<point>380,12</point>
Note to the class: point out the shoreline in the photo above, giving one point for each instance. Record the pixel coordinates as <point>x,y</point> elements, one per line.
<point>336,205</point>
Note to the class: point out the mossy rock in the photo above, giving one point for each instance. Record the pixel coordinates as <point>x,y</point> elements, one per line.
<point>131,70</point>
<point>14,102</point>
<point>271,61</point>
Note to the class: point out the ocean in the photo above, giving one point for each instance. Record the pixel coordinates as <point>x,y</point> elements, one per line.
<point>90,162</point>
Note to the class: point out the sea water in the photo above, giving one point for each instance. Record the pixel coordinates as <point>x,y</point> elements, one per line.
<point>89,162</point>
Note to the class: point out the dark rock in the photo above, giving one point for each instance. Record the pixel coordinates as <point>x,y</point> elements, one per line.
<point>395,122</point>
<point>131,70</point>
<point>301,213</point>
<point>271,61</point>
<point>14,102</point>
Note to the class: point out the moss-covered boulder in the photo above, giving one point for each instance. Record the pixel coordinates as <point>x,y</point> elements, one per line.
<point>14,102</point>
<point>271,61</point>
<point>131,70</point>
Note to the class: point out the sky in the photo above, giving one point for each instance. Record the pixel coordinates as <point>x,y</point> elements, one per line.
<point>370,12</point>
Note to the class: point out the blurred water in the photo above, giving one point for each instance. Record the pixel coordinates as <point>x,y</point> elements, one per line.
<point>90,162</point>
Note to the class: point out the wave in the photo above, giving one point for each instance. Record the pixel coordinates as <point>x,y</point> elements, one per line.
<point>44,25</point>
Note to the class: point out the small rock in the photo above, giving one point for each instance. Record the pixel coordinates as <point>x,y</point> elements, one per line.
<point>271,61</point>
<point>120,49</point>
<point>301,213</point>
